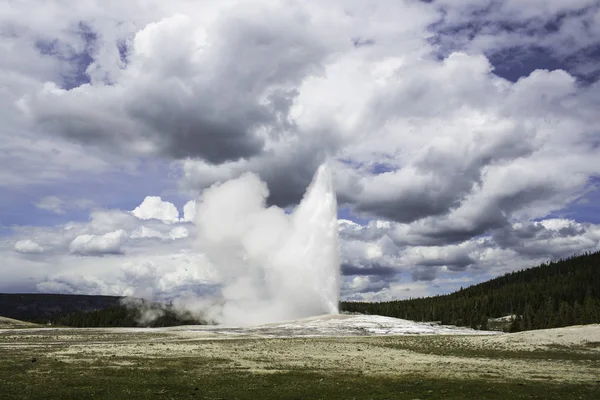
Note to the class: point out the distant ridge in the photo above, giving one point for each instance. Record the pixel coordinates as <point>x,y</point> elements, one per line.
<point>556,294</point>
<point>10,323</point>
<point>41,307</point>
<point>92,311</point>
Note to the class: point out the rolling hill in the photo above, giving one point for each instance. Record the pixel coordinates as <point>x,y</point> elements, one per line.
<point>41,308</point>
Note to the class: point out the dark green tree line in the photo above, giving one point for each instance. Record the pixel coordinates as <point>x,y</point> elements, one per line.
<point>127,316</point>
<point>555,294</point>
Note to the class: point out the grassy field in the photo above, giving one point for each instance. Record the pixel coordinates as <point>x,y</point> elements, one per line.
<point>128,364</point>
<point>9,323</point>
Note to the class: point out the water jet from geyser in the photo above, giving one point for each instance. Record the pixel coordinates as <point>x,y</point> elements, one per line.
<point>271,266</point>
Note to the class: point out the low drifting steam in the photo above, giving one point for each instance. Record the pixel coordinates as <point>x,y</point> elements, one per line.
<point>272,266</point>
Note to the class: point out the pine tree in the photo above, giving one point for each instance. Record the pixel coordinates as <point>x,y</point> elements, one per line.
<point>516,325</point>
<point>484,323</point>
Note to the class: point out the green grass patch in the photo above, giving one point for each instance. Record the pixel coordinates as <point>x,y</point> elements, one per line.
<point>452,346</point>
<point>25,374</point>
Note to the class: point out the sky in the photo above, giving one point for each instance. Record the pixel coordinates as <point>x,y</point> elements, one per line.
<point>463,136</point>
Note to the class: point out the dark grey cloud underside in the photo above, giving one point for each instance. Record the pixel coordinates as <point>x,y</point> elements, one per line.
<point>209,110</point>
<point>374,269</point>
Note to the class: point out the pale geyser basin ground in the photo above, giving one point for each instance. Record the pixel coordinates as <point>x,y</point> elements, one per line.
<point>371,345</point>
<point>337,325</point>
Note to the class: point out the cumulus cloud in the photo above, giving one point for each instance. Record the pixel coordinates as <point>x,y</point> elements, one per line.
<point>97,245</point>
<point>189,211</point>
<point>153,207</point>
<point>388,253</point>
<point>194,101</point>
<point>28,246</point>
<point>166,277</point>
<point>551,238</point>
<point>161,258</point>
<point>463,171</point>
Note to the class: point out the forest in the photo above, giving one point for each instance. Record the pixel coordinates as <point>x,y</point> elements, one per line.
<point>91,311</point>
<point>554,294</point>
<point>42,307</point>
<point>128,315</point>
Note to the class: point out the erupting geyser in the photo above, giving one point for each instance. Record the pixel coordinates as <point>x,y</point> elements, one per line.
<point>271,266</point>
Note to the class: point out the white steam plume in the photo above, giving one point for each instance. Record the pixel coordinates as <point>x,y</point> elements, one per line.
<point>272,266</point>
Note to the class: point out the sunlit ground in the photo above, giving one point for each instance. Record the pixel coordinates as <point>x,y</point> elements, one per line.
<point>179,363</point>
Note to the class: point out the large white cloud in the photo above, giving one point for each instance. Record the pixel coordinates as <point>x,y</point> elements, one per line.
<point>153,207</point>
<point>189,211</point>
<point>109,243</point>
<point>189,97</point>
<point>28,246</point>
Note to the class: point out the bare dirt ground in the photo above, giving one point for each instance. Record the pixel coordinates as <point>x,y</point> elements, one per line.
<point>558,355</point>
